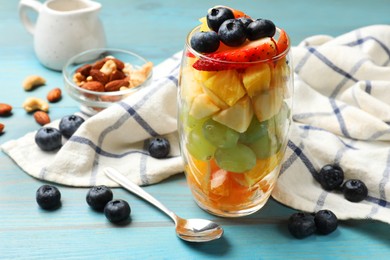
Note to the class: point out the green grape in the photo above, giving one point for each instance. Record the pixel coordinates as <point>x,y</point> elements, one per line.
<point>192,122</point>
<point>267,144</point>
<point>255,130</point>
<point>219,135</point>
<point>198,146</point>
<point>239,158</point>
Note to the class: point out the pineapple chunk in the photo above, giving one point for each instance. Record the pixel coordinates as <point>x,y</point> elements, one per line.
<point>189,87</point>
<point>237,117</point>
<point>204,26</point>
<point>256,79</point>
<point>216,100</point>
<point>202,107</point>
<point>201,75</point>
<point>268,103</point>
<point>226,85</point>
<point>279,73</point>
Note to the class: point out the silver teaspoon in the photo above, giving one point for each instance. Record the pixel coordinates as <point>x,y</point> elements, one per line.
<point>192,230</point>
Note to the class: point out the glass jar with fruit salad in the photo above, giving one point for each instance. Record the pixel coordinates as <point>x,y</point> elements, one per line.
<point>234,99</point>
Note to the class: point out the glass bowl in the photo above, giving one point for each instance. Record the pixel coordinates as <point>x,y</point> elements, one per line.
<point>91,102</point>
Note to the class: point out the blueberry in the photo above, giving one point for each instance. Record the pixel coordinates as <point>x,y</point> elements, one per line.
<point>217,16</point>
<point>69,125</point>
<point>355,190</point>
<point>48,138</point>
<point>301,225</point>
<point>232,32</point>
<point>159,147</point>
<point>260,28</point>
<point>48,197</point>
<point>245,21</point>
<point>98,197</point>
<point>326,221</point>
<point>117,210</point>
<point>206,42</point>
<point>331,177</point>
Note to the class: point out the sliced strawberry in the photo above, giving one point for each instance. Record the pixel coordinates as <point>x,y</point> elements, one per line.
<point>189,54</point>
<point>283,42</point>
<point>238,13</point>
<point>238,58</point>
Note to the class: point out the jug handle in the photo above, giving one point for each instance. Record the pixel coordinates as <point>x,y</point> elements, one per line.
<point>24,6</point>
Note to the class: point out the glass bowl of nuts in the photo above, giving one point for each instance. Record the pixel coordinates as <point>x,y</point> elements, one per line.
<point>98,78</point>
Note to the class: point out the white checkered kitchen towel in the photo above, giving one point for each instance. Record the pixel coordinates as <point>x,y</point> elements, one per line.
<point>341,114</point>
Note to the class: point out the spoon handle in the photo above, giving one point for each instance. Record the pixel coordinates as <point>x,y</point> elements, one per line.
<point>137,190</point>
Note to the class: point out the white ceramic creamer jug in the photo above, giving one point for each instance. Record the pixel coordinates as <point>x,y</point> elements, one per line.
<point>62,29</point>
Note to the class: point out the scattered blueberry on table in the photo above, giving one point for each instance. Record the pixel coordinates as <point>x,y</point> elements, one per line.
<point>69,124</point>
<point>331,177</point>
<point>48,197</point>
<point>98,196</point>
<point>302,224</point>
<point>117,210</point>
<point>326,221</point>
<point>48,138</point>
<point>355,190</point>
<point>159,147</point>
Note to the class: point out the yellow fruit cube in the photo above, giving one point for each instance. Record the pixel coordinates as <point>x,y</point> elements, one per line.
<point>189,87</point>
<point>279,73</point>
<point>204,26</point>
<point>226,85</point>
<point>257,79</point>
<point>216,100</point>
<point>237,117</point>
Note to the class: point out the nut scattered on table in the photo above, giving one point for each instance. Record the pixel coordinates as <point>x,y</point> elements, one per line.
<point>33,103</point>
<point>5,109</point>
<point>54,95</point>
<point>1,128</point>
<point>33,81</point>
<point>41,117</point>
<point>110,74</point>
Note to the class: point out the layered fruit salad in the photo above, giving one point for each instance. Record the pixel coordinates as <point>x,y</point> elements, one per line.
<point>234,103</point>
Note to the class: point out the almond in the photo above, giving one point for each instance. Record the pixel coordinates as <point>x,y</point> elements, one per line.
<point>110,98</point>
<point>1,128</point>
<point>119,64</point>
<point>93,86</point>
<point>5,109</point>
<point>117,74</point>
<point>41,117</point>
<point>54,95</point>
<point>115,85</point>
<point>84,70</point>
<point>98,64</point>
<point>97,75</point>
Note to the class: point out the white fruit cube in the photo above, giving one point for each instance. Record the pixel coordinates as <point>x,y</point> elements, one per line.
<point>268,103</point>
<point>237,117</point>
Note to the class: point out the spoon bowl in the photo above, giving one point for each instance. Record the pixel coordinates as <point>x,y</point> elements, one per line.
<point>191,230</point>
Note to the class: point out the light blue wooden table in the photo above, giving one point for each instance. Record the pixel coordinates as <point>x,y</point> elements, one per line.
<point>156,29</point>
